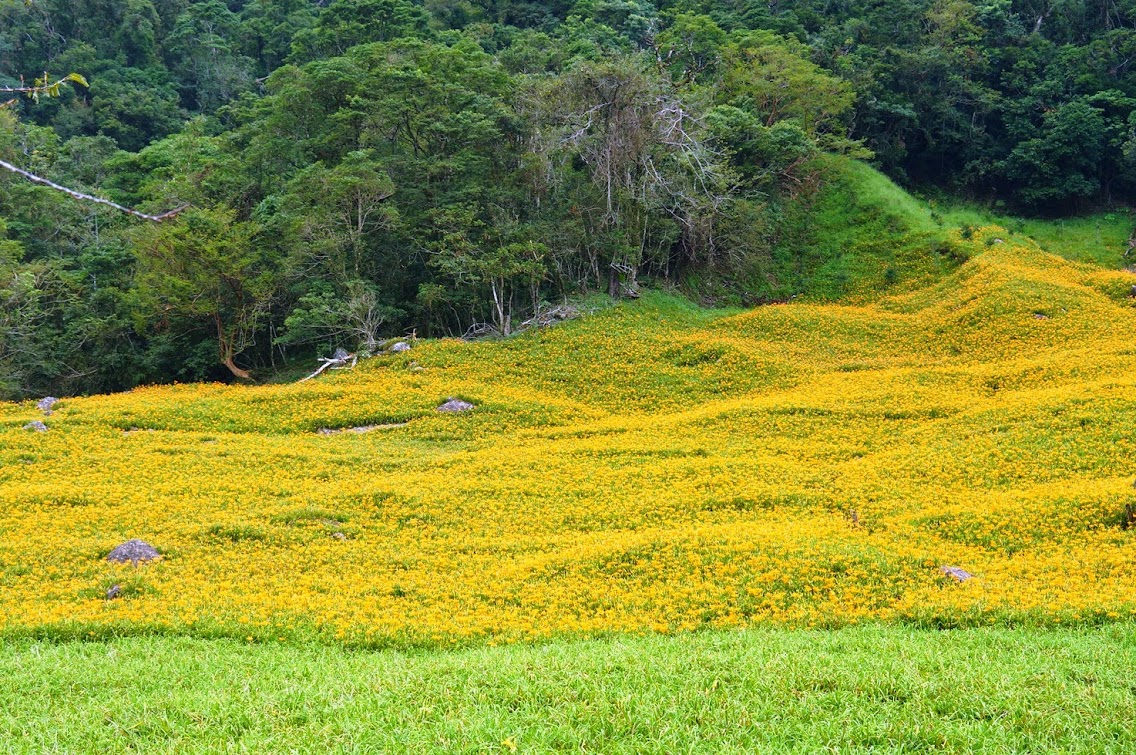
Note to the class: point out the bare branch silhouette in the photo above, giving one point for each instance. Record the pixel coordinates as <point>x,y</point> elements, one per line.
<point>89,198</point>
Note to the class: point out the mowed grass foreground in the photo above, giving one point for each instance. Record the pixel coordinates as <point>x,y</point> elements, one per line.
<point>866,689</point>
<point>650,468</point>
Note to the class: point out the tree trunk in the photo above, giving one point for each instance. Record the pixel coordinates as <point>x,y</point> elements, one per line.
<point>237,371</point>
<point>226,348</point>
<point>498,289</point>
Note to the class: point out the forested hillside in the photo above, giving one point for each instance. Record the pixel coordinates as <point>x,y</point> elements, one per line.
<point>360,168</point>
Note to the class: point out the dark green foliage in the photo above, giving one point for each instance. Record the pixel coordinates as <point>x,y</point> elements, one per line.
<point>362,168</point>
<point>346,23</point>
<point>236,533</point>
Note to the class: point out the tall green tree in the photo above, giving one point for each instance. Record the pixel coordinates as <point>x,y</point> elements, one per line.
<point>205,271</point>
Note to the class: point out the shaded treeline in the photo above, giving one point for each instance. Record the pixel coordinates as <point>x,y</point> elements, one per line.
<point>364,167</point>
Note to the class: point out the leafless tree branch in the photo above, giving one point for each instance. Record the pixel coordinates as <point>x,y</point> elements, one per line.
<point>88,197</point>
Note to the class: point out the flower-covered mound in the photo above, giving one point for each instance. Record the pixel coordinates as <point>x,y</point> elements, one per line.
<point>652,467</point>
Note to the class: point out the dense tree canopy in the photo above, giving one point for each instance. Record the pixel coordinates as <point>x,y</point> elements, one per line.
<point>361,167</point>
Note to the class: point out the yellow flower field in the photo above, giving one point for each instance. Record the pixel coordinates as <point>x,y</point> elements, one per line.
<point>651,467</point>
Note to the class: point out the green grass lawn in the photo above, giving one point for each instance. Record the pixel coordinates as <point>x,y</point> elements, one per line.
<point>1100,238</point>
<point>869,689</point>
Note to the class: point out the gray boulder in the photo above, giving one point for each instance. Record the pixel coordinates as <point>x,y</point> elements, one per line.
<point>400,347</point>
<point>38,426</point>
<point>456,405</point>
<point>45,404</point>
<point>133,551</point>
<point>955,573</point>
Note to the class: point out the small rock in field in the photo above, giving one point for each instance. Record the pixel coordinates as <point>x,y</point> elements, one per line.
<point>360,429</point>
<point>1040,316</point>
<point>455,405</point>
<point>114,592</point>
<point>45,404</point>
<point>38,426</point>
<point>956,573</point>
<point>400,347</point>
<point>339,536</point>
<point>1132,292</point>
<point>133,551</point>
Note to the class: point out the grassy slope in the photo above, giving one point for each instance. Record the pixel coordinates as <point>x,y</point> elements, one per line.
<point>862,235</point>
<point>868,235</point>
<point>1100,238</point>
<point>852,235</point>
<point>864,224</point>
<point>867,689</point>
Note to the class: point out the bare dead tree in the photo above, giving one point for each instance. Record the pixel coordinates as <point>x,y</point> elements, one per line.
<point>644,150</point>
<point>341,361</point>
